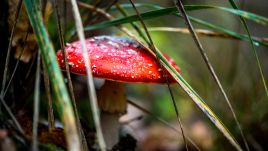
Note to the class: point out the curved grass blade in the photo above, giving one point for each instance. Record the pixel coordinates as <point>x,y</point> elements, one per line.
<point>169,11</point>
<point>48,54</point>
<point>248,15</point>
<point>199,101</point>
<point>257,61</point>
<point>253,47</point>
<point>243,37</point>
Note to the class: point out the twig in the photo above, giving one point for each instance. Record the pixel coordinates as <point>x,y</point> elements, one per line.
<point>201,32</point>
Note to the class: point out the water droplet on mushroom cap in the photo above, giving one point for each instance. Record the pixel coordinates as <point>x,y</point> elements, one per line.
<point>117,59</point>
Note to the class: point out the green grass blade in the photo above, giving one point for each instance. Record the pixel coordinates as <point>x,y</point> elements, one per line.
<point>199,101</point>
<point>253,47</point>
<point>169,11</point>
<point>180,8</point>
<point>228,32</point>
<point>248,15</point>
<point>61,93</point>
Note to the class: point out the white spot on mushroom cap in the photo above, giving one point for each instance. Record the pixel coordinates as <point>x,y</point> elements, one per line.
<point>113,43</point>
<point>131,51</point>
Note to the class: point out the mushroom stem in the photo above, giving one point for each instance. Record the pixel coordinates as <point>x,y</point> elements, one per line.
<point>112,102</point>
<point>112,98</point>
<point>110,128</point>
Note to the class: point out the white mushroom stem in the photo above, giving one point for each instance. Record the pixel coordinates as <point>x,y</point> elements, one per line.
<point>110,128</point>
<point>113,103</point>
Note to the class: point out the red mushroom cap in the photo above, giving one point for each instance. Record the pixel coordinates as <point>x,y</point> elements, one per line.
<point>117,59</point>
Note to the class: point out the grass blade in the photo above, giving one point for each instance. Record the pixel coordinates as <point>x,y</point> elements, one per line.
<point>50,115</point>
<point>248,15</point>
<point>256,57</point>
<point>17,15</point>
<point>61,94</point>
<point>70,85</point>
<point>2,93</point>
<point>36,105</point>
<point>253,47</point>
<point>180,7</point>
<point>199,101</point>
<point>168,11</point>
<point>91,88</point>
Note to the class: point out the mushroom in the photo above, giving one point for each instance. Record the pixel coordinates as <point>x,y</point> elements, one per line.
<point>117,60</point>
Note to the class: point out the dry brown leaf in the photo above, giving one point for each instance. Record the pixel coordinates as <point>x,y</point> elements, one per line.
<point>23,26</point>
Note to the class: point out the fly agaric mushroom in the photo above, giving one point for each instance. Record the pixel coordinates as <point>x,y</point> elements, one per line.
<point>117,60</point>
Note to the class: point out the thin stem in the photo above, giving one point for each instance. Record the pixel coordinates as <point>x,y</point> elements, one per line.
<point>258,64</point>
<point>17,64</point>
<point>51,119</point>
<point>78,124</point>
<point>253,47</point>
<point>188,23</point>
<point>36,105</point>
<point>152,46</point>
<point>91,88</point>
<point>17,15</point>
<point>133,24</point>
<point>12,115</point>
